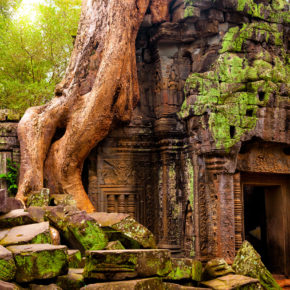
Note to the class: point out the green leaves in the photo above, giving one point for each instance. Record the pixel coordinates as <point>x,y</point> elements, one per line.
<point>11,177</point>
<point>35,54</point>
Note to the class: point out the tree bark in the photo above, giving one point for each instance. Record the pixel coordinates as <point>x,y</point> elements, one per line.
<point>100,86</point>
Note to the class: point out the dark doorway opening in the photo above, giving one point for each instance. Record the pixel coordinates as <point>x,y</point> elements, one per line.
<point>264,224</point>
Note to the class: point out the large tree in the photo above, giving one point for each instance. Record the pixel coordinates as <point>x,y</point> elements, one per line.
<point>99,88</point>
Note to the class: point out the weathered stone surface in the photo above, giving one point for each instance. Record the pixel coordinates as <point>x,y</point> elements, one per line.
<point>8,204</point>
<point>216,268</point>
<point>33,234</point>
<point>38,198</point>
<point>7,265</point>
<point>73,280</point>
<point>125,229</point>
<point>172,286</point>
<point>44,287</point>
<point>39,261</point>
<point>74,259</point>
<point>115,245</point>
<point>248,262</point>
<point>183,268</point>
<point>54,235</point>
<point>37,213</point>
<point>9,286</point>
<point>145,263</point>
<point>77,227</point>
<point>62,199</point>
<point>150,283</point>
<point>232,282</point>
<point>17,217</point>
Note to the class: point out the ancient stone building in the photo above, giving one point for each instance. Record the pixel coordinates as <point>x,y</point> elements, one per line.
<point>204,162</point>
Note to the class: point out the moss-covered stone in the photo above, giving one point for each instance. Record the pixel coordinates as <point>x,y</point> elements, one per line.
<point>74,259</point>
<point>28,234</point>
<point>115,245</point>
<point>17,217</point>
<point>145,263</point>
<point>248,262</point>
<point>39,261</point>
<point>38,198</point>
<point>127,230</point>
<point>7,265</point>
<point>216,268</point>
<point>74,280</point>
<point>77,227</point>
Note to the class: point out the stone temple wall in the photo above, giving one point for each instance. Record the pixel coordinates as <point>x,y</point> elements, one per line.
<point>214,108</point>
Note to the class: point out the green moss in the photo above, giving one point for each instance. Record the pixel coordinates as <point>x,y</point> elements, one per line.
<point>7,269</point>
<point>43,238</point>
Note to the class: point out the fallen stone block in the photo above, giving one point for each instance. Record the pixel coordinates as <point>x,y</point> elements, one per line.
<point>62,199</point>
<point>9,286</point>
<point>185,269</point>
<point>77,227</point>
<point>150,283</point>
<point>124,228</point>
<point>37,213</point>
<point>232,282</point>
<point>44,287</point>
<point>115,245</point>
<point>38,198</point>
<point>39,261</point>
<point>248,262</point>
<point>7,265</point>
<point>17,217</point>
<point>32,234</point>
<point>8,204</point>
<point>144,263</point>
<point>74,280</point>
<point>74,259</point>
<point>216,268</point>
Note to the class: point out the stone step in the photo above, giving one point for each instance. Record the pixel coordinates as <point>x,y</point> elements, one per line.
<point>149,283</point>
<point>17,217</point>
<point>7,265</point>
<point>141,263</point>
<point>39,261</point>
<point>27,234</point>
<point>124,228</point>
<point>232,281</point>
<point>185,269</point>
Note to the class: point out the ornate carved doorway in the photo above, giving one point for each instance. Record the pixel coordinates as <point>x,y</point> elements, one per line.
<point>266,218</point>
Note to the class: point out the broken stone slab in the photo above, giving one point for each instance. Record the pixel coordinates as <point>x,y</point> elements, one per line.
<point>7,265</point>
<point>216,268</point>
<point>32,234</point>
<point>185,269</point>
<point>149,283</point>
<point>17,217</point>
<point>77,227</point>
<point>37,213</point>
<point>44,287</point>
<point>8,204</point>
<point>144,263</point>
<point>248,262</point>
<point>9,286</point>
<point>39,261</point>
<point>74,259</point>
<point>115,245</point>
<point>232,281</point>
<point>38,198</point>
<point>73,280</point>
<point>124,228</point>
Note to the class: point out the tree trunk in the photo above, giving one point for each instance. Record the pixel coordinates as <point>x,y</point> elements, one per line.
<point>100,86</point>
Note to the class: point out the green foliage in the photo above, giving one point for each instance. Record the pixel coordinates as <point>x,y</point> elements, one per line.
<point>11,177</point>
<point>34,52</point>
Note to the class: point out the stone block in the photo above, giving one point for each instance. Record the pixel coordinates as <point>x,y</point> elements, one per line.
<point>36,213</point>
<point>124,228</point>
<point>32,234</point>
<point>73,280</point>
<point>44,287</point>
<point>7,265</point>
<point>150,283</point>
<point>9,286</point>
<point>248,262</point>
<point>17,217</point>
<point>144,263</point>
<point>79,229</point>
<point>38,198</point>
<point>62,199</point>
<point>74,259</point>
<point>173,286</point>
<point>216,268</point>
<point>232,282</point>
<point>115,245</point>
<point>39,261</point>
